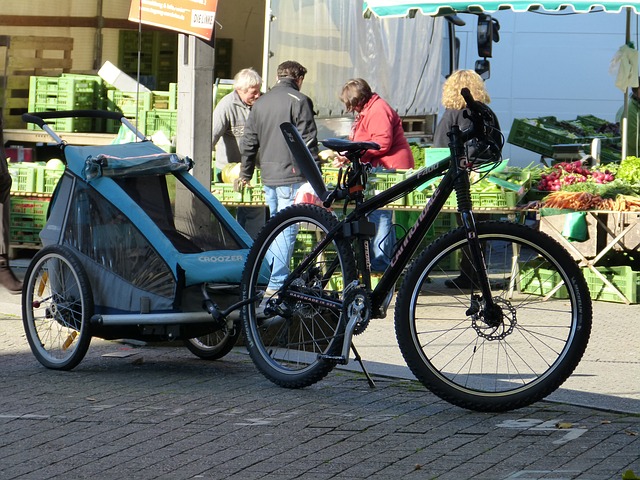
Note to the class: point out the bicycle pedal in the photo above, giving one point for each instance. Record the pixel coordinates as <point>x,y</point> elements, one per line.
<point>333,358</point>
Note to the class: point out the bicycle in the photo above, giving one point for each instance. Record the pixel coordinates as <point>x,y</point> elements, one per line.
<point>510,339</point>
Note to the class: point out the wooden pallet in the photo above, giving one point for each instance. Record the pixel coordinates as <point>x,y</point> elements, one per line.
<point>20,58</point>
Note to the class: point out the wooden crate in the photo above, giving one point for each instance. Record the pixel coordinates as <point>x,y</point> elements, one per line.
<point>20,58</point>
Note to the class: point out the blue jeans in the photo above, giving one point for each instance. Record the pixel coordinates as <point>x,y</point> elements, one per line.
<point>381,246</point>
<point>281,250</point>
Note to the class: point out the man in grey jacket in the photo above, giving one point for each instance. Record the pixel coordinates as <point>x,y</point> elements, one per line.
<point>229,118</point>
<point>281,176</point>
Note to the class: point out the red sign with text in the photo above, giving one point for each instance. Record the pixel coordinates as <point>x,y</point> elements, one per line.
<point>192,17</point>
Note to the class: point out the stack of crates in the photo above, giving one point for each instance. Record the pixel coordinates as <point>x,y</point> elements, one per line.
<point>133,105</point>
<point>29,177</point>
<point>156,53</point>
<point>150,112</point>
<point>28,211</point>
<point>28,217</point>
<point>67,92</point>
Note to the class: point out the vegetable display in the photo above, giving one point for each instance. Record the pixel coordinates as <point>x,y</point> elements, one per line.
<point>569,173</point>
<point>589,201</point>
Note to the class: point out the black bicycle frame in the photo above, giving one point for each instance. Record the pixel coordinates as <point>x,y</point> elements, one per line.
<point>455,170</point>
<point>411,241</point>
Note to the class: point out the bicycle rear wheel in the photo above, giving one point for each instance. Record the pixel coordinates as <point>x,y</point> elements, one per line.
<point>466,358</point>
<point>306,318</point>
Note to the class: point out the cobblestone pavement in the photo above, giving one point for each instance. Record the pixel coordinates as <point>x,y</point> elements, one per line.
<point>156,412</point>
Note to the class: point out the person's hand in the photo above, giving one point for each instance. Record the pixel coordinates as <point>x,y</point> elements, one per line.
<point>340,161</point>
<point>240,183</point>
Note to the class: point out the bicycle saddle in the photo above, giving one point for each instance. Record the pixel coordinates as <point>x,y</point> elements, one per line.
<point>341,145</point>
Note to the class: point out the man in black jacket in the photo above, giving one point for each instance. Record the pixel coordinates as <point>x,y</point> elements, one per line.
<point>283,103</point>
<point>281,176</point>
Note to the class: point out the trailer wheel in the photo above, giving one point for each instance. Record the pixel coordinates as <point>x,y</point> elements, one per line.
<point>57,304</point>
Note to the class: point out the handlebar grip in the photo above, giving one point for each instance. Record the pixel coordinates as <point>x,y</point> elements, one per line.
<point>472,104</point>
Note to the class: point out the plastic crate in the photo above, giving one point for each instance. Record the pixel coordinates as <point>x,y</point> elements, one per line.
<point>305,241</point>
<point>51,178</point>
<point>254,194</point>
<point>19,235</point>
<point>28,222</point>
<point>330,176</point>
<point>23,177</point>
<point>63,124</point>
<point>29,206</point>
<point>381,181</point>
<point>419,199</point>
<point>624,278</point>
<point>164,100</point>
<point>541,134</point>
<point>43,84</point>
<point>505,199</point>
<point>531,134</point>
<point>67,92</point>
<point>129,103</point>
<point>225,193</point>
<point>161,120</point>
<point>540,281</point>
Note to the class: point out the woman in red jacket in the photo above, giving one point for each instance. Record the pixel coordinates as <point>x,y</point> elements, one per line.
<point>376,121</point>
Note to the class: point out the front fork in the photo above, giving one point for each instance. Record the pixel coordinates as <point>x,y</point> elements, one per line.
<point>492,313</point>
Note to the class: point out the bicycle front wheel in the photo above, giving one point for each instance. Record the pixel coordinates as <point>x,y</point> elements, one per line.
<point>294,343</point>
<point>504,361</point>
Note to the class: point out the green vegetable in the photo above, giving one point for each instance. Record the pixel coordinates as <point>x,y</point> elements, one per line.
<point>605,190</point>
<point>629,170</point>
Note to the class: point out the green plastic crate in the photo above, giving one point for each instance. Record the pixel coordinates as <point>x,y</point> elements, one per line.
<point>420,199</point>
<point>220,90</point>
<point>504,199</point>
<point>129,103</point>
<point>68,92</point>
<point>28,222</point>
<point>541,134</point>
<point>51,178</point>
<point>254,194</point>
<point>381,181</point>
<point>161,121</point>
<point>540,281</point>
<point>28,205</point>
<point>225,193</point>
<point>23,177</point>
<point>330,176</point>
<point>25,236</point>
<point>624,278</point>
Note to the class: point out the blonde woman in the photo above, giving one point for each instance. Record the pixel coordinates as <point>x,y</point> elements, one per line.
<point>455,104</point>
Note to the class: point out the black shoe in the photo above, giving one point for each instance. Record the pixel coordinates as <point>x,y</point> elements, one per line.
<point>8,280</point>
